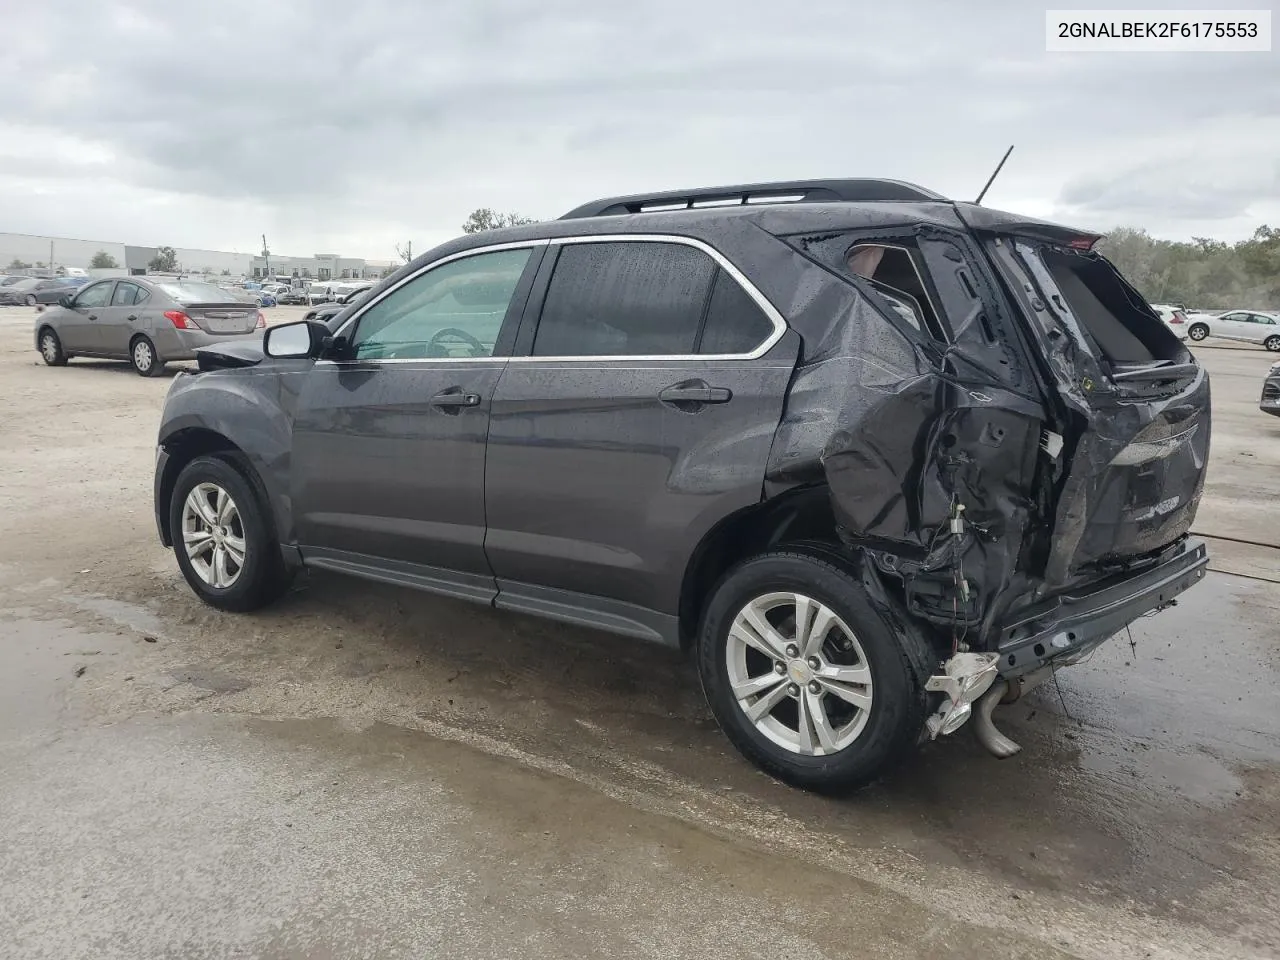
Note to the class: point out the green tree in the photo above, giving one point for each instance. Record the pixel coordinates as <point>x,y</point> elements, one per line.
<point>486,218</point>
<point>165,261</point>
<point>103,261</point>
<point>16,264</point>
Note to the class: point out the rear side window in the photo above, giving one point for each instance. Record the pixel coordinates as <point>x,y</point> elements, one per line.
<point>641,298</point>
<point>127,294</point>
<point>626,298</point>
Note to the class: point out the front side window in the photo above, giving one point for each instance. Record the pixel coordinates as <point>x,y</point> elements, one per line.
<point>624,298</point>
<point>94,295</point>
<point>452,311</point>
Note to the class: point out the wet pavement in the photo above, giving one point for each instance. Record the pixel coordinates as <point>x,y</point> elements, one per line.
<point>364,771</point>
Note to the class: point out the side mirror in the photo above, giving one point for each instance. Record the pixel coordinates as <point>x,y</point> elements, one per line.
<point>64,301</point>
<point>302,339</point>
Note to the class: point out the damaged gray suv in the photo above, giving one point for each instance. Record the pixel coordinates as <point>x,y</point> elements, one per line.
<point>880,460</point>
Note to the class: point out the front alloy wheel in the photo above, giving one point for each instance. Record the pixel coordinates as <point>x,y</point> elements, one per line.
<point>213,535</point>
<point>1272,344</point>
<point>799,674</point>
<point>223,535</point>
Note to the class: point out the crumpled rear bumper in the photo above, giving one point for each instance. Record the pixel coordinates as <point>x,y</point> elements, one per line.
<point>1072,624</point>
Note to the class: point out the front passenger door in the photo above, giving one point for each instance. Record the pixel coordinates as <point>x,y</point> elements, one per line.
<point>389,437</point>
<point>78,327</point>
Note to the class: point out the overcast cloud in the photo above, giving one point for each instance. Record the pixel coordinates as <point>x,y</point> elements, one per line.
<point>348,128</point>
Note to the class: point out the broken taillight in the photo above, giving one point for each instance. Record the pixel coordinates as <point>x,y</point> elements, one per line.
<point>262,320</point>
<point>181,320</point>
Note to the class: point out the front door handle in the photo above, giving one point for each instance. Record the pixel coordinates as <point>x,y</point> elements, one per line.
<point>454,397</point>
<point>93,316</point>
<point>695,391</point>
<point>132,317</point>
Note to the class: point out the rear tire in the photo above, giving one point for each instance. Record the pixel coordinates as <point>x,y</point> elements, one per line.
<point>51,349</point>
<point>143,357</point>
<point>31,301</point>
<point>1272,344</point>
<point>223,537</point>
<point>1198,332</point>
<point>856,734</point>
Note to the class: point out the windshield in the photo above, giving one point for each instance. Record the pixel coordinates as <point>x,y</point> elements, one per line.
<point>193,291</point>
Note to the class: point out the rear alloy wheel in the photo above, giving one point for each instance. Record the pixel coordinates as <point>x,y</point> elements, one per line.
<point>806,676</point>
<point>1198,332</point>
<point>223,538</point>
<point>1272,343</point>
<point>142,354</point>
<point>51,349</point>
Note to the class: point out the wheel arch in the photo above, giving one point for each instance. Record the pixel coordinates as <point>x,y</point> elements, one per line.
<point>800,515</point>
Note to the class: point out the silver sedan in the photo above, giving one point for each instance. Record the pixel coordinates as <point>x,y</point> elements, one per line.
<point>146,321</point>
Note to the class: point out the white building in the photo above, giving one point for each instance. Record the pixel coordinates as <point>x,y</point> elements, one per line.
<point>46,254</point>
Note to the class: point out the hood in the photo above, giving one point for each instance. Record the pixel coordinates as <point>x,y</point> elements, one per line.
<point>229,355</point>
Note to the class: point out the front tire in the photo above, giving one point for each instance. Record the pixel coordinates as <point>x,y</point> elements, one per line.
<point>1198,332</point>
<point>31,301</point>
<point>829,706</point>
<point>1272,344</point>
<point>51,349</point>
<point>142,354</point>
<point>223,537</point>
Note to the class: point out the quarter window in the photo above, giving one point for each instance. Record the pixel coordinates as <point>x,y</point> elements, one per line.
<point>455,310</point>
<point>625,298</point>
<point>735,323</point>
<point>94,295</point>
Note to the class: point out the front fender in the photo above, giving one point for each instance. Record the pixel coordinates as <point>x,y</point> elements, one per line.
<point>252,410</point>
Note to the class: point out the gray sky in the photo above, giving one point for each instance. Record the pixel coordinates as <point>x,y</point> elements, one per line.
<point>340,127</point>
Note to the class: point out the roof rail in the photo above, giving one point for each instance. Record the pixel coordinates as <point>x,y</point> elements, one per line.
<point>794,191</point>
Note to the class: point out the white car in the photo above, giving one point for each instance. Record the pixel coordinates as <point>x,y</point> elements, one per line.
<point>1251,326</point>
<point>1173,318</point>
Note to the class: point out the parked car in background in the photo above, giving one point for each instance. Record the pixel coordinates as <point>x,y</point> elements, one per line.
<point>1249,326</point>
<point>21,291</point>
<point>966,455</point>
<point>325,312</point>
<point>1174,317</point>
<point>51,291</point>
<point>147,322</point>
<point>1270,402</point>
<point>295,297</point>
<point>348,292</point>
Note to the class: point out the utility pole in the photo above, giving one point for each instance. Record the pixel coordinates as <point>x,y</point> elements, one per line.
<point>52,271</point>
<point>266,255</point>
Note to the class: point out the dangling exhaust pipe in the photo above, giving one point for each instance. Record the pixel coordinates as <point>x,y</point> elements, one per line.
<point>984,729</point>
<point>1003,691</point>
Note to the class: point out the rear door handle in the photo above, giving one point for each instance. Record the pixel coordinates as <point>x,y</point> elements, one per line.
<point>454,397</point>
<point>132,316</point>
<point>695,391</point>
<point>93,316</point>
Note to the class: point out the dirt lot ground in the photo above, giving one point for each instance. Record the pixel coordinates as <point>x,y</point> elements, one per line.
<point>362,771</point>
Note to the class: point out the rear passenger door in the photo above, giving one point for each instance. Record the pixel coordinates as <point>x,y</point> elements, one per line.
<point>118,322</point>
<point>638,411</point>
